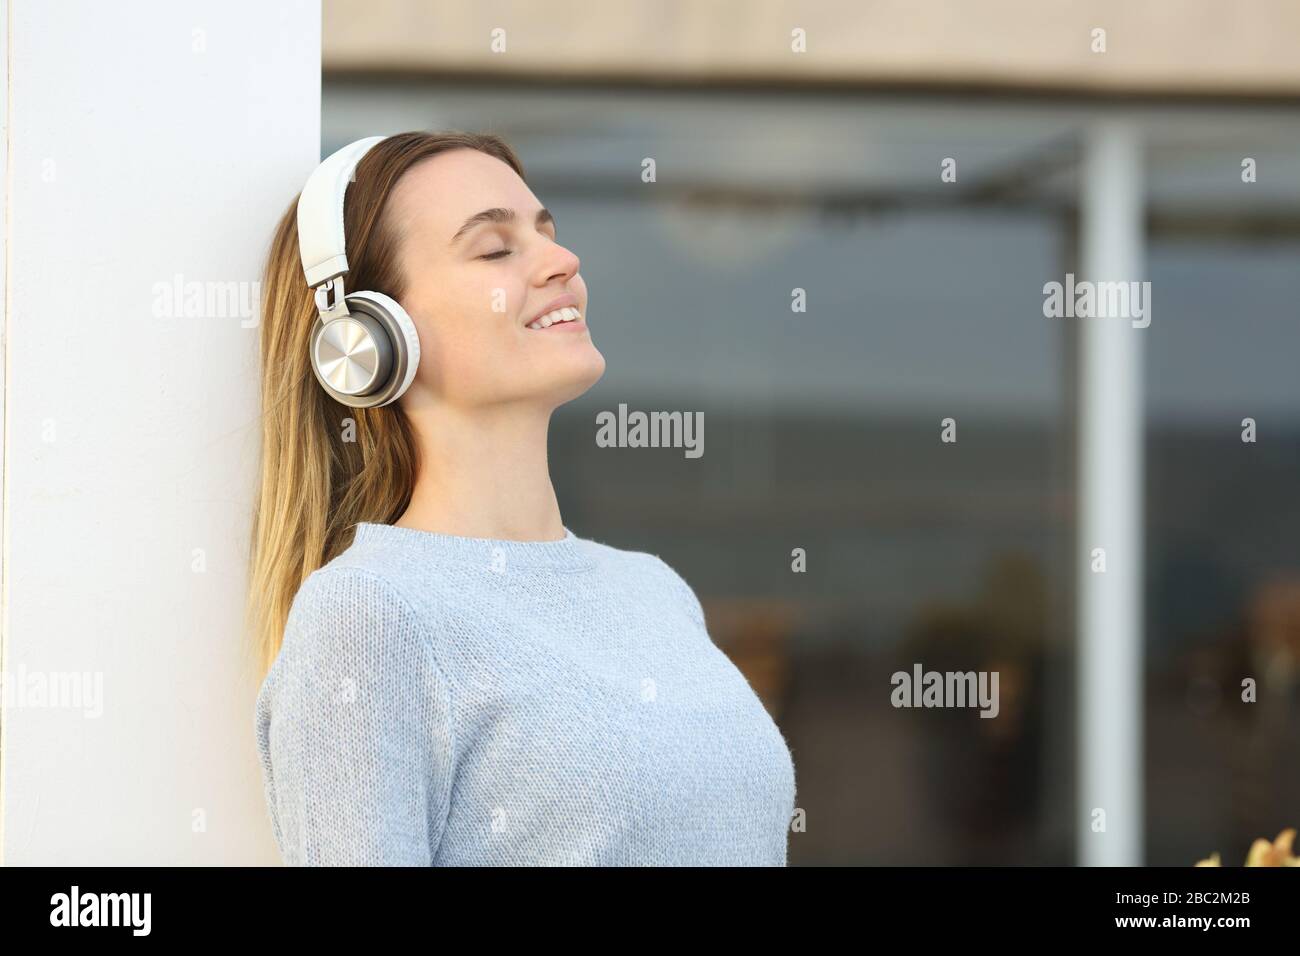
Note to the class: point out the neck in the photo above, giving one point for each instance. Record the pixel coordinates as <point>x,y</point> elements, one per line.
<point>483,473</point>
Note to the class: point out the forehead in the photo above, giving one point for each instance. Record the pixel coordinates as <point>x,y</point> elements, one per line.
<point>436,195</point>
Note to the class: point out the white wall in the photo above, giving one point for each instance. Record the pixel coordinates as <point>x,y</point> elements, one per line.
<point>144,141</point>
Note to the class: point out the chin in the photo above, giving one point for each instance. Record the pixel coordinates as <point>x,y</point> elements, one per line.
<point>580,374</point>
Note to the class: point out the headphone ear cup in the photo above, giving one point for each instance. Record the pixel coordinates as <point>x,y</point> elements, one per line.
<point>367,358</point>
<point>403,338</point>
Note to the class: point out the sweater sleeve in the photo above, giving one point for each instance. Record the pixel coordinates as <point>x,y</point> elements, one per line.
<point>361,740</point>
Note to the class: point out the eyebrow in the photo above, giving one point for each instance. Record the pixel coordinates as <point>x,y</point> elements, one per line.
<point>498,214</point>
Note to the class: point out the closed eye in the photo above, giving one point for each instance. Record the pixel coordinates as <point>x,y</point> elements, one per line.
<point>501,253</point>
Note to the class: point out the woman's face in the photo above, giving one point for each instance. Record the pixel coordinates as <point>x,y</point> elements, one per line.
<point>474,285</point>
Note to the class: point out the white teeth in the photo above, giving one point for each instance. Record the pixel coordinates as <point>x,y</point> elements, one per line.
<point>566,314</point>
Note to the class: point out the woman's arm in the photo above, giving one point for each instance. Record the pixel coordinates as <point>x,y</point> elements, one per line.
<point>360,740</point>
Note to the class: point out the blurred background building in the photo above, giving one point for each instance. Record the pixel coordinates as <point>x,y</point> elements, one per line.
<point>820,170</point>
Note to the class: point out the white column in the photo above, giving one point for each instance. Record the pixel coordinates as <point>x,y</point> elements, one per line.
<point>151,147</point>
<point>1110,508</point>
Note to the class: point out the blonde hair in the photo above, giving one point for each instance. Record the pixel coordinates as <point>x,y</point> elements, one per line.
<point>314,486</point>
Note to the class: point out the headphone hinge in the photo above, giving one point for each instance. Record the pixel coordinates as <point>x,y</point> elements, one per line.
<point>339,307</point>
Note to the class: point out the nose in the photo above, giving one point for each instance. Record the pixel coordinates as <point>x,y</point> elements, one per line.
<point>559,262</point>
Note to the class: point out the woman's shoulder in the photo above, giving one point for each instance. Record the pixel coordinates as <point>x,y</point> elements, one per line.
<point>341,585</point>
<point>365,577</point>
<point>348,610</point>
<point>346,623</point>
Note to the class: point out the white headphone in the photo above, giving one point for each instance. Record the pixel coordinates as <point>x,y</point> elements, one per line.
<point>364,347</point>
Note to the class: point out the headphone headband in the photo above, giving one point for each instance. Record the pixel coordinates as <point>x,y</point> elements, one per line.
<point>321,242</point>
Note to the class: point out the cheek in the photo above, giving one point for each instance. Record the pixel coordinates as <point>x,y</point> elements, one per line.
<point>457,311</point>
<point>469,345</point>
<point>486,303</point>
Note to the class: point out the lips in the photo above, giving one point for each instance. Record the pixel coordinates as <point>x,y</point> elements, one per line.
<point>568,300</point>
<point>560,318</point>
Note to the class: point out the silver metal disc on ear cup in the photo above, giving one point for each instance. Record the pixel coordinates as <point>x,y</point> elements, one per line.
<point>352,354</point>
<point>368,357</point>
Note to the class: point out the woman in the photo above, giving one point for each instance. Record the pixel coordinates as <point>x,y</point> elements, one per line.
<point>455,677</point>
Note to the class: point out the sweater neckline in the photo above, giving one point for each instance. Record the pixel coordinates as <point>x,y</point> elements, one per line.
<point>563,554</point>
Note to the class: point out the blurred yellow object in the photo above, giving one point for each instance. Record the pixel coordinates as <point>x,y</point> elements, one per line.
<point>1277,853</point>
<point>1263,853</point>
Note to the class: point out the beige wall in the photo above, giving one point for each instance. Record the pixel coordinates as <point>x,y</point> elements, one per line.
<point>1153,46</point>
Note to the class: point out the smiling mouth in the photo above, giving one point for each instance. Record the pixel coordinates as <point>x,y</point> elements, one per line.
<point>567,317</point>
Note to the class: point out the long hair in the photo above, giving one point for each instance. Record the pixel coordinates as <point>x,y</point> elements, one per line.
<point>326,466</point>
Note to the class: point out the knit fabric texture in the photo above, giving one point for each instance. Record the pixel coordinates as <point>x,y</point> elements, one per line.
<point>441,700</point>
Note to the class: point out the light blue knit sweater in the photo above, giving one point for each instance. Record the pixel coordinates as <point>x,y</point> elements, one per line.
<point>450,701</point>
